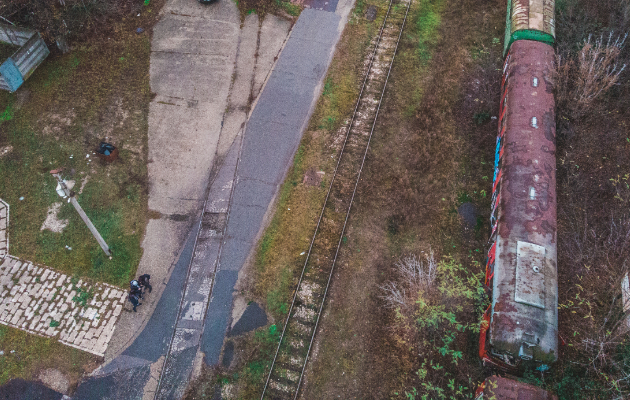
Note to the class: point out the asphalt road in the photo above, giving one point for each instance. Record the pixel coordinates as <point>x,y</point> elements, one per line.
<point>272,135</point>
<point>125,377</point>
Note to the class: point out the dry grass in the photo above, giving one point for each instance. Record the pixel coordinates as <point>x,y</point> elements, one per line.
<point>424,150</point>
<point>414,278</point>
<point>599,256</point>
<point>587,76</point>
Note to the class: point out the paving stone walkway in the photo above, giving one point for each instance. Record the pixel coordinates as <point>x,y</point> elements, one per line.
<point>48,303</point>
<point>4,223</point>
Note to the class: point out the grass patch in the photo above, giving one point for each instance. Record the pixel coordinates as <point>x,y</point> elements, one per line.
<point>263,7</point>
<point>415,52</point>
<point>7,114</point>
<point>292,9</point>
<point>277,298</point>
<point>67,107</point>
<point>25,355</point>
<point>427,22</point>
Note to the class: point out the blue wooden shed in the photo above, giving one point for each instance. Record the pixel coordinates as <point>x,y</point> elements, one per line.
<point>19,66</point>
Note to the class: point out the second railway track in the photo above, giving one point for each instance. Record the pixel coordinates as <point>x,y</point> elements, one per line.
<point>289,363</point>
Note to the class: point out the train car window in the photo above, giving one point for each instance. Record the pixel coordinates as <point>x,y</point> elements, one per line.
<point>532,193</point>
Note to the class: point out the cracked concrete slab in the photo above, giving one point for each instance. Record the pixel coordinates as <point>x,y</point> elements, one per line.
<point>244,222</point>
<point>240,94</point>
<point>273,34</point>
<point>193,52</point>
<point>253,193</point>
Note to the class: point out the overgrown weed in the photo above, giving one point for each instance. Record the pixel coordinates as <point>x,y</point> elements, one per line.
<point>593,159</point>
<point>437,304</point>
<point>583,78</point>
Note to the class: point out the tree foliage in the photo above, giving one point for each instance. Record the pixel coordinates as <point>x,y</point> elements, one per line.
<point>67,18</point>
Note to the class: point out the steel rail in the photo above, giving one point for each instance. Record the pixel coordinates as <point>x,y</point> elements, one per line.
<point>192,258</point>
<point>354,116</point>
<point>343,230</point>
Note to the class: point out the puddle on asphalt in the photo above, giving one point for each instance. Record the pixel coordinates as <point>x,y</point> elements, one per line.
<point>254,317</point>
<point>228,354</point>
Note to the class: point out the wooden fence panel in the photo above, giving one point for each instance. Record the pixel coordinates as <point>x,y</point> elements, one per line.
<point>14,35</point>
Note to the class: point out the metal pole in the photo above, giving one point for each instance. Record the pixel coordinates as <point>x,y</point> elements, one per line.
<point>82,214</point>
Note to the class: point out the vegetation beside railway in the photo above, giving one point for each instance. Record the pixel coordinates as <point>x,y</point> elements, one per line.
<point>429,155</point>
<point>593,159</point>
<point>299,203</point>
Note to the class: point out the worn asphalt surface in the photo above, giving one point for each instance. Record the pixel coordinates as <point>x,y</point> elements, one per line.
<point>273,133</point>
<point>159,362</point>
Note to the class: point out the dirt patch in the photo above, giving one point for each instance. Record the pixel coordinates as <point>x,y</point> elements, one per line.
<point>313,177</point>
<point>54,379</point>
<point>52,223</point>
<point>56,124</point>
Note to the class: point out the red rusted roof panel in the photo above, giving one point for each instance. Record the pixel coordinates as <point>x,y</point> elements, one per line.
<point>497,388</point>
<point>525,323</point>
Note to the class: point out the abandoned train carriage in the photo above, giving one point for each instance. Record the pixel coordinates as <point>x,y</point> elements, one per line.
<point>522,321</point>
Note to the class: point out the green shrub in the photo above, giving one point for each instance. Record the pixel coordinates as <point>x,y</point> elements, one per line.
<point>436,314</point>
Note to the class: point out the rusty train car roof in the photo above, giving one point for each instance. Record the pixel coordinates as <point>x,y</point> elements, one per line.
<point>530,20</point>
<point>525,296</point>
<point>497,388</point>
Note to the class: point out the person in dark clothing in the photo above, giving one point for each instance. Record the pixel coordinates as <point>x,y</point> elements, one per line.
<point>143,280</point>
<point>135,300</point>
<point>135,289</point>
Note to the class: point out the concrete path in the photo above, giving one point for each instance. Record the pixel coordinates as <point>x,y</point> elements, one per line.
<point>201,105</point>
<point>191,126</point>
<point>134,374</point>
<point>184,343</point>
<point>193,52</point>
<point>185,138</point>
<point>243,191</point>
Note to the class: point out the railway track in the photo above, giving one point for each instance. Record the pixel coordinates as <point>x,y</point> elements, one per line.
<point>289,363</point>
